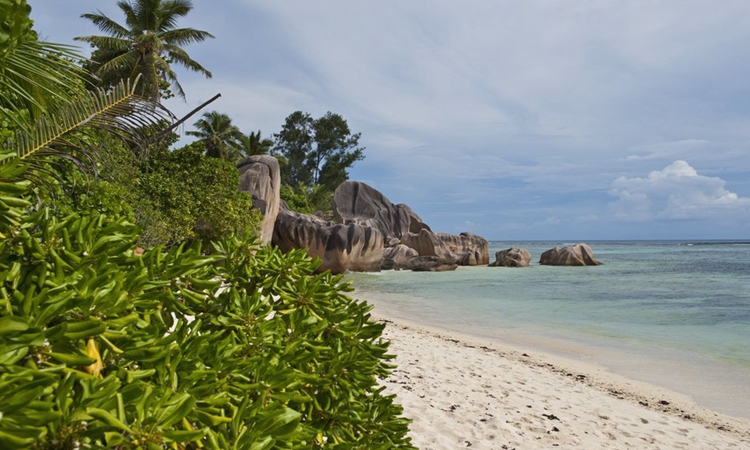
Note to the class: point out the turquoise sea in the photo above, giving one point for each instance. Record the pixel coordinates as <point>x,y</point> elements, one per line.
<point>672,313</point>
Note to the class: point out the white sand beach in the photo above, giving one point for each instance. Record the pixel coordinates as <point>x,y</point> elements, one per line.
<point>462,392</point>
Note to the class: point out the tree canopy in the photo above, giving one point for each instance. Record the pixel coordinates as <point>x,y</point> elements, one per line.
<point>317,151</point>
<point>148,44</point>
<point>219,135</point>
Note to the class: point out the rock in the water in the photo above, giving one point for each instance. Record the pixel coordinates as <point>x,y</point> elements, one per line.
<point>576,255</point>
<point>340,247</point>
<point>398,257</point>
<point>465,249</point>
<point>260,176</point>
<point>512,257</point>
<point>430,264</point>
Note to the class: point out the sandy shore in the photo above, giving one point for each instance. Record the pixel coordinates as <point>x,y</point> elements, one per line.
<point>462,392</point>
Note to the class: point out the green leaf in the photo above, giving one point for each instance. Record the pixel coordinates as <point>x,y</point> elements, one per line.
<point>184,435</point>
<point>12,324</point>
<point>181,405</point>
<point>108,419</point>
<point>72,359</point>
<point>84,329</point>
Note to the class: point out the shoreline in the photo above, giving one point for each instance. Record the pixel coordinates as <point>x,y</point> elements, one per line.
<point>708,379</point>
<point>512,397</point>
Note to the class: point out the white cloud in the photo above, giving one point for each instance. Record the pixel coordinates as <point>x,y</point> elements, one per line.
<point>677,192</point>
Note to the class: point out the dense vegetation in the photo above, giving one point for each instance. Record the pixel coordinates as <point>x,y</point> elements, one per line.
<point>130,316</point>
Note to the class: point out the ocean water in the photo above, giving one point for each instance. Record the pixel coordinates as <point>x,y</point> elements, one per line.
<point>673,314</point>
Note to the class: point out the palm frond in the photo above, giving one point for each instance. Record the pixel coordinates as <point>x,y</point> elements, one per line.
<point>106,43</point>
<point>185,36</point>
<point>171,11</point>
<point>119,111</point>
<point>181,57</point>
<point>37,74</point>
<point>107,25</point>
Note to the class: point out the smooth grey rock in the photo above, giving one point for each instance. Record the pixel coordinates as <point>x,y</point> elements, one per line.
<point>356,202</point>
<point>467,249</point>
<point>260,176</point>
<point>415,222</point>
<point>576,255</point>
<point>398,257</point>
<point>431,264</point>
<point>512,257</point>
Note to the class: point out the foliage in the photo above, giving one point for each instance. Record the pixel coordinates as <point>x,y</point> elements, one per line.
<point>253,144</point>
<point>318,151</point>
<point>219,136</point>
<point>147,45</point>
<point>101,346</point>
<point>308,199</point>
<point>119,112</point>
<point>34,75</point>
<point>185,195</point>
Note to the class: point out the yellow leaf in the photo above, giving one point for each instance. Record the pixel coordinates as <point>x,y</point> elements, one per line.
<point>92,350</point>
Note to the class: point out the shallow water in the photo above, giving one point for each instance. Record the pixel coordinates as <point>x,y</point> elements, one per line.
<point>675,314</point>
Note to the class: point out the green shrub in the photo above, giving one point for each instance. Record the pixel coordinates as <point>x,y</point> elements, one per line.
<point>103,347</point>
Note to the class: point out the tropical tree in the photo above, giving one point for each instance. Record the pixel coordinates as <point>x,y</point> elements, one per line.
<point>253,144</point>
<point>219,135</point>
<point>147,45</point>
<point>318,151</point>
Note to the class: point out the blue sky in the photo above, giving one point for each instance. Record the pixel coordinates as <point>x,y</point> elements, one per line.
<point>575,120</point>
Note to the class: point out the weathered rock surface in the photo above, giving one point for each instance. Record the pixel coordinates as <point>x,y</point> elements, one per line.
<point>576,255</point>
<point>398,257</point>
<point>512,257</point>
<point>415,222</point>
<point>341,247</point>
<point>260,176</point>
<point>369,231</point>
<point>465,249</point>
<point>430,264</point>
<point>356,202</point>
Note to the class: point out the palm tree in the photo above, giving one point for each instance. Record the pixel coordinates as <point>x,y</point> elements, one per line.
<point>252,144</point>
<point>146,45</point>
<point>216,131</point>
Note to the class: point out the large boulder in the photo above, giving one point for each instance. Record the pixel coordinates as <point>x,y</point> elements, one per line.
<point>260,176</point>
<point>430,264</point>
<point>416,224</point>
<point>465,249</point>
<point>356,202</point>
<point>512,257</point>
<point>576,255</point>
<point>341,247</point>
<point>398,257</point>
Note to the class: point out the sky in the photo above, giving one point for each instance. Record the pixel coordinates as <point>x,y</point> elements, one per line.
<point>574,120</point>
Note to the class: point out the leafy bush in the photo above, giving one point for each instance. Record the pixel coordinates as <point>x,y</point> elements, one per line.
<point>175,196</point>
<point>308,199</point>
<point>103,347</point>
